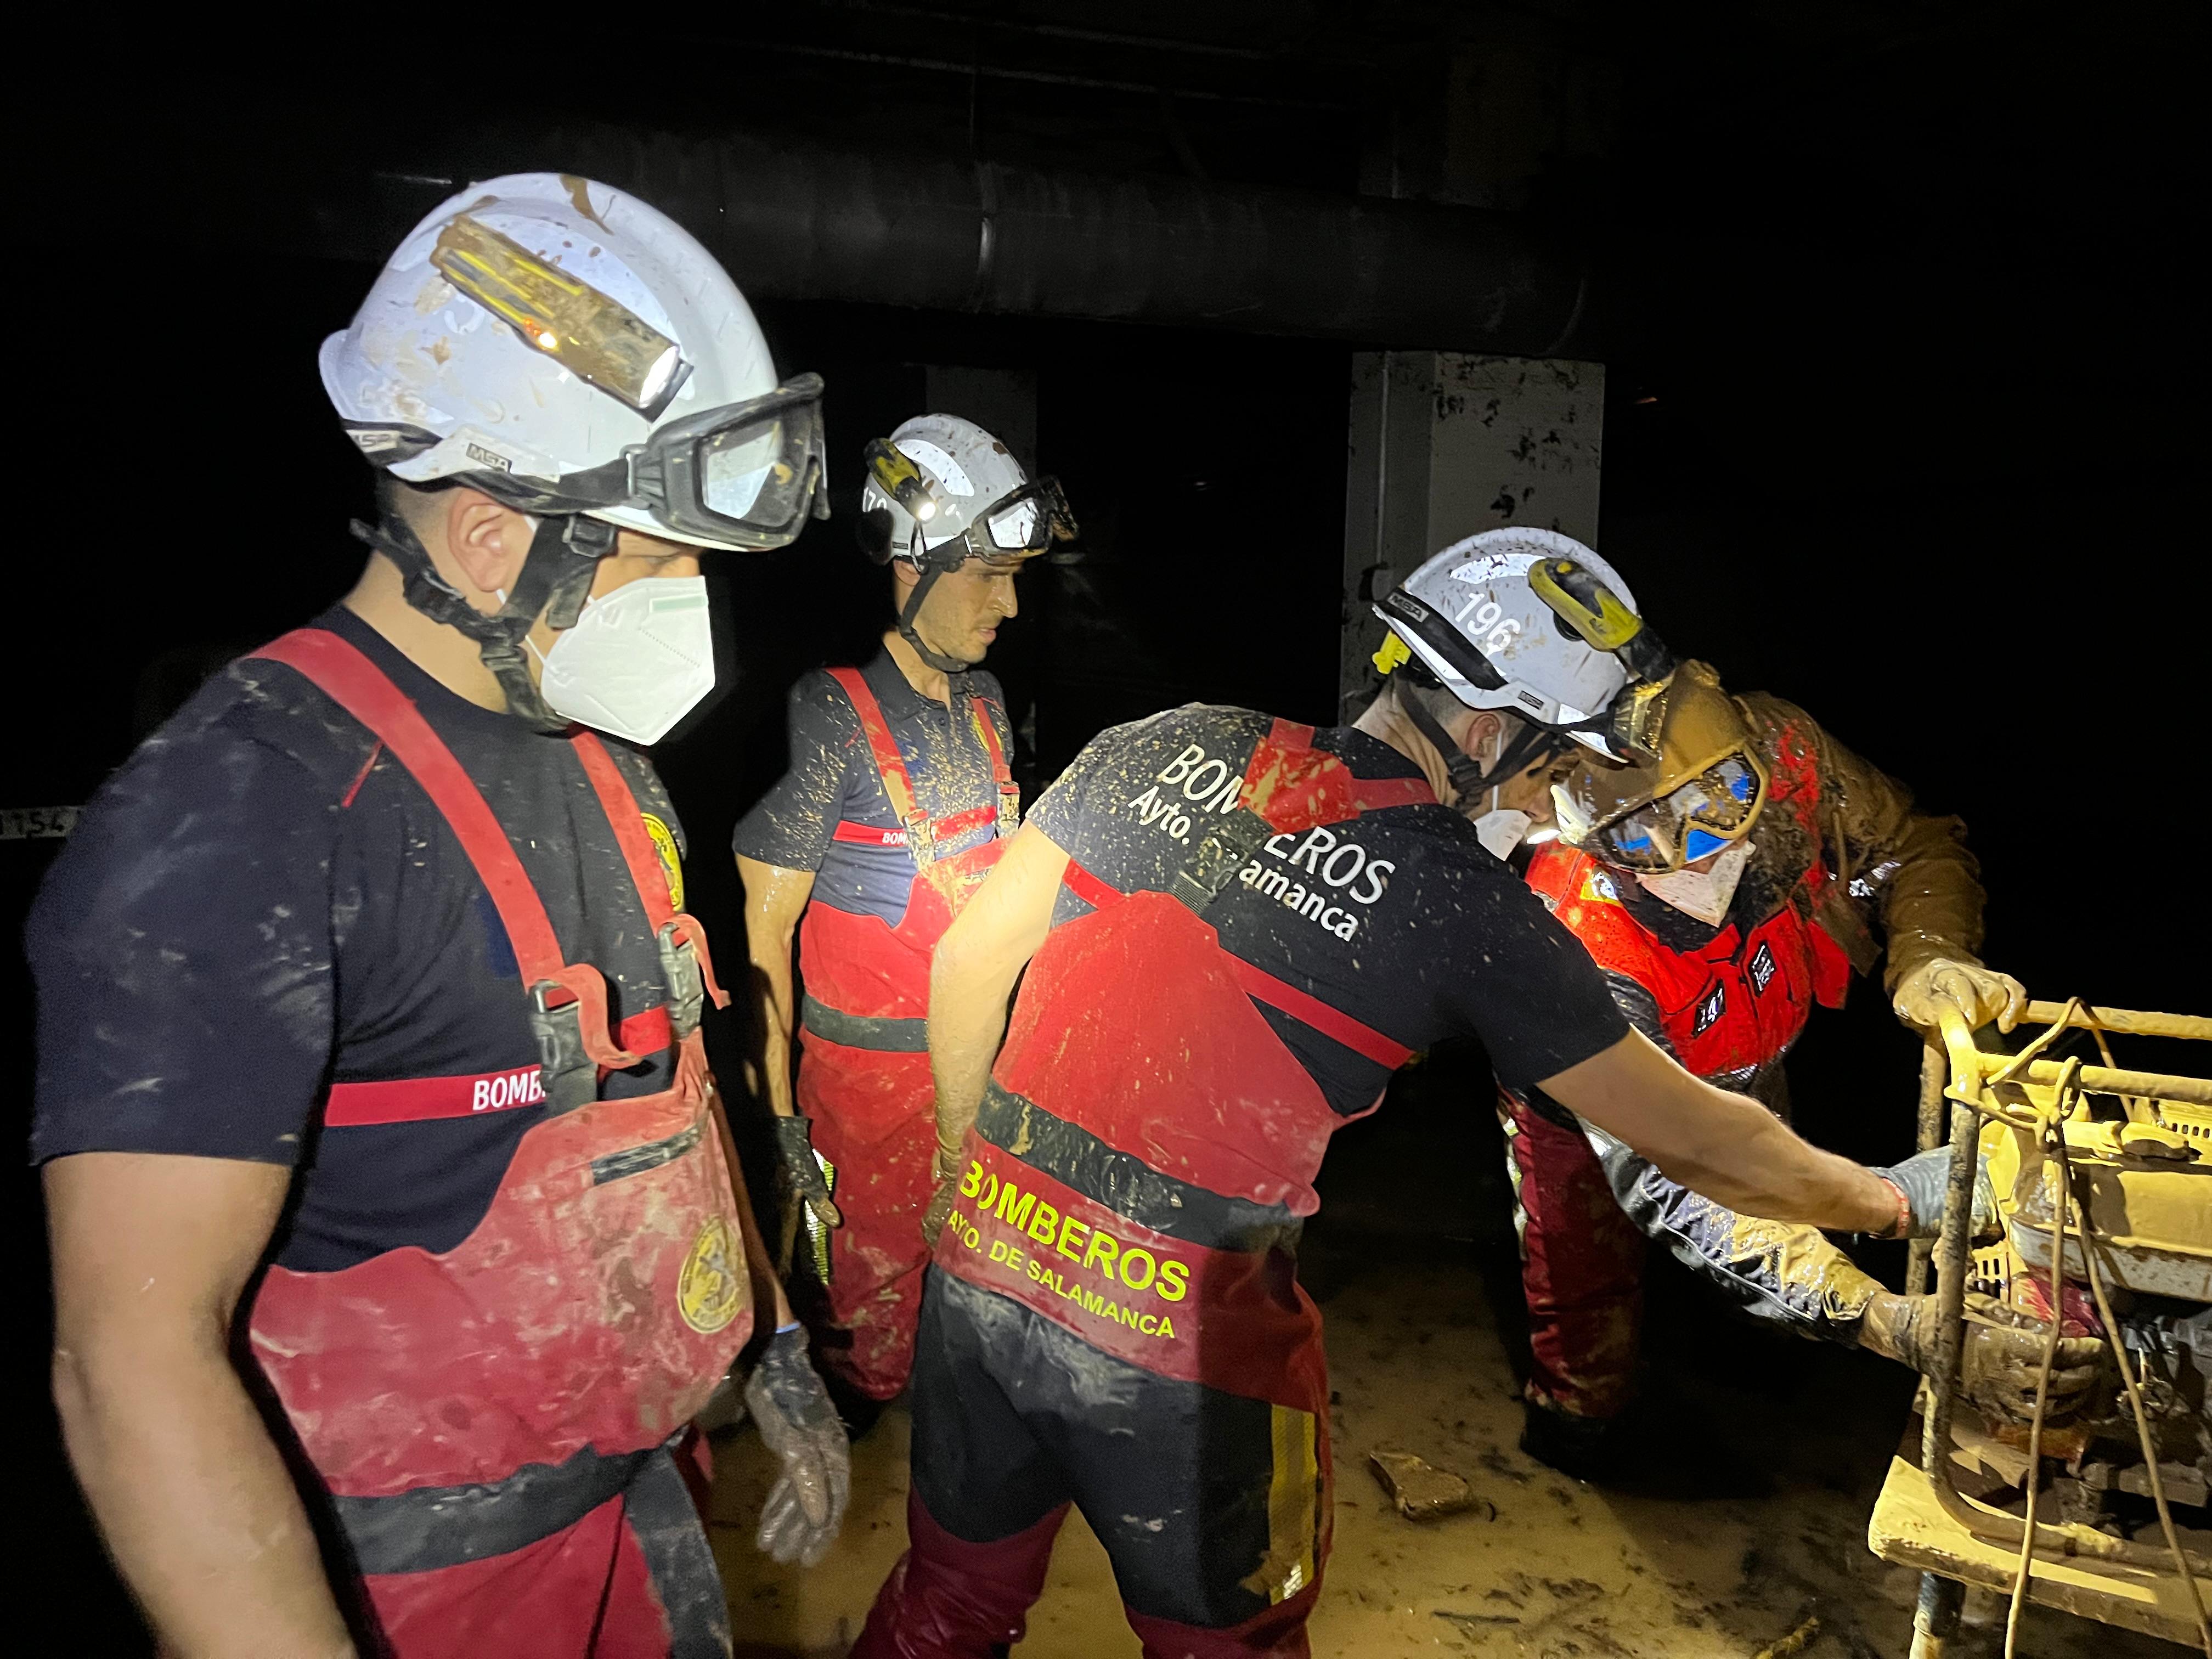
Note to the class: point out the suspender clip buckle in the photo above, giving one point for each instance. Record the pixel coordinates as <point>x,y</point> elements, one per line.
<point>920,838</point>
<point>1010,809</point>
<point>570,1075</point>
<point>687,986</point>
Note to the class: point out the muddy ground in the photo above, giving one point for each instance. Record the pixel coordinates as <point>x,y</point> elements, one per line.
<point>1412,1262</point>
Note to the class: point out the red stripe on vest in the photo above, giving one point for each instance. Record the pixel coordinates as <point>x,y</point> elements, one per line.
<point>417,1099</point>
<point>1087,887</point>
<point>875,835</point>
<point>1263,987</point>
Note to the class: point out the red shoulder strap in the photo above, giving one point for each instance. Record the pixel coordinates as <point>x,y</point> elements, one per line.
<point>620,805</point>
<point>349,679</point>
<point>891,765</point>
<point>1294,786</point>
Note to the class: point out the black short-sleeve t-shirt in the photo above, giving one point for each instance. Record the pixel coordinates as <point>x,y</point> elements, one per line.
<point>1400,919</point>
<point>261,902</point>
<point>832,779</point>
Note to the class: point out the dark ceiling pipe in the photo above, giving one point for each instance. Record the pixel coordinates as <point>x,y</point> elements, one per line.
<point>798,220</point>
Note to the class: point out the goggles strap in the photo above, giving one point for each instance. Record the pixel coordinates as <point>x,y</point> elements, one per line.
<point>553,581</point>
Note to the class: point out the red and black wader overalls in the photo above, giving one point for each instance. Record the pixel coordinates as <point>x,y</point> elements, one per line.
<point>1728,1012</point>
<point>491,1423</point>
<point>864,1062</point>
<point>1121,1261</point>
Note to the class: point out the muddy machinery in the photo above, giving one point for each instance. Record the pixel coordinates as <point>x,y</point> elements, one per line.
<point>2103,1180</point>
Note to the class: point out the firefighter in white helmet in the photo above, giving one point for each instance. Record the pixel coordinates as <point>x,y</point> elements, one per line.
<point>898,800</point>
<point>368,983</point>
<point>1227,929</point>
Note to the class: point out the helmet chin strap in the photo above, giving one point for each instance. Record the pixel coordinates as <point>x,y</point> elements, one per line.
<point>928,573</point>
<point>555,581</point>
<point>1467,775</point>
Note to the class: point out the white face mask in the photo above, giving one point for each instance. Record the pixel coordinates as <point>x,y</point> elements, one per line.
<point>1501,828</point>
<point>638,660</point>
<point>1704,894</point>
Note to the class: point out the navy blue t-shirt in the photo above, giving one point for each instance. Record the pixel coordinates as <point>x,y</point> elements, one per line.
<point>832,778</point>
<point>263,902</point>
<point>1400,918</point>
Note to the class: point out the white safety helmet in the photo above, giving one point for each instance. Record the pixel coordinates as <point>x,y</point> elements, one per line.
<point>1526,620</point>
<point>567,348</point>
<point>940,491</point>
<point>940,480</point>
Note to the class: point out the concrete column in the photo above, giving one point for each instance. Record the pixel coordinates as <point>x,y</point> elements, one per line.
<point>1445,444</point>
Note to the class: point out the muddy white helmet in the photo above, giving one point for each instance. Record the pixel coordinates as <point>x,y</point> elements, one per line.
<point>1524,620</point>
<point>565,348</point>
<point>573,352</point>
<point>940,491</point>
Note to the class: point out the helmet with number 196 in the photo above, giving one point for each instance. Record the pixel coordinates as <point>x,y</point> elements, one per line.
<point>1524,620</point>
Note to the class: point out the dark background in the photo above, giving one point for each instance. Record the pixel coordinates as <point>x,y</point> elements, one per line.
<point>1903,416</point>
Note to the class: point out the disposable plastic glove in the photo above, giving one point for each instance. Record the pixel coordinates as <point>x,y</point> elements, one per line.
<point>1976,992</point>
<point>806,1505</point>
<point>1925,1180</point>
<point>794,1145</point>
<point>1999,1360</point>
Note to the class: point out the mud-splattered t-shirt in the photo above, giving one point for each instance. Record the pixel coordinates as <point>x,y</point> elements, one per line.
<point>1400,919</point>
<point>833,781</point>
<point>261,902</point>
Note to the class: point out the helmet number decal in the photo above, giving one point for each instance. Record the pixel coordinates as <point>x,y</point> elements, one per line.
<point>1480,614</point>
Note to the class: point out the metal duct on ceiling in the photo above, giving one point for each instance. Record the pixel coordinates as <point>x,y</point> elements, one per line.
<point>800,221</point>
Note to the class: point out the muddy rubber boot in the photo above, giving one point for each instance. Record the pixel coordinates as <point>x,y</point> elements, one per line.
<point>1639,1453</point>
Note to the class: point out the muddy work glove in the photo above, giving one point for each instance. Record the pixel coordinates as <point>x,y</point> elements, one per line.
<point>1924,1179</point>
<point>806,1505</point>
<point>945,1170</point>
<point>794,1145</point>
<point>1999,1359</point>
<point>1973,990</point>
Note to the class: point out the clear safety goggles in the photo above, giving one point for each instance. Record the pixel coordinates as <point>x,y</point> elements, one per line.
<point>749,473</point>
<point>1693,821</point>
<point>1019,526</point>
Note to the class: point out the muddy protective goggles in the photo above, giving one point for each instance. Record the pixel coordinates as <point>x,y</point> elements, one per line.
<point>1691,822</point>
<point>1020,525</point>
<point>747,473</point>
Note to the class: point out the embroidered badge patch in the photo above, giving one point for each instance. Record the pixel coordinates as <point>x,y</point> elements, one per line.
<point>710,1292</point>
<point>672,861</point>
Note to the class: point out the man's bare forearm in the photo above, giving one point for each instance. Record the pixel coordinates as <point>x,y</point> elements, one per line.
<point>967,1023</point>
<point>193,1499</point>
<point>1726,1146</point>
<point>774,900</point>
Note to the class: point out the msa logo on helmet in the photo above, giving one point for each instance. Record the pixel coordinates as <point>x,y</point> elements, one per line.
<point>1710,1010</point>
<point>1762,968</point>
<point>492,458</point>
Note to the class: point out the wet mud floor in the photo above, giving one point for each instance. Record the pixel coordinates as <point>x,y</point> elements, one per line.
<point>1413,1263</point>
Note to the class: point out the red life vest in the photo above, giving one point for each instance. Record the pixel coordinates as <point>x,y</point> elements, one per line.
<point>1731,1005</point>
<point>1135,1039</point>
<point>593,1309</point>
<point>875,977</point>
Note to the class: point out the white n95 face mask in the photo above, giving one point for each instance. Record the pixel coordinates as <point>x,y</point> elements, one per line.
<point>1501,828</point>
<point>638,660</point>
<point>1704,894</point>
